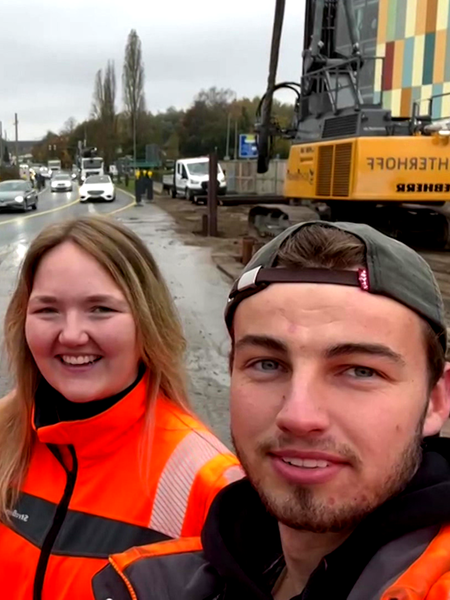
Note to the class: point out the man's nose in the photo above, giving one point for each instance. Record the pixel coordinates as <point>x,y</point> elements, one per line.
<point>304,409</point>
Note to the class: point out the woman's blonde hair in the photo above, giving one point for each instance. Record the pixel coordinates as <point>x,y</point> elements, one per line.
<point>129,262</point>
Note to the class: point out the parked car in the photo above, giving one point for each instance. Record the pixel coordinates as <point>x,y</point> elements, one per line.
<point>98,187</point>
<point>18,194</point>
<point>61,182</point>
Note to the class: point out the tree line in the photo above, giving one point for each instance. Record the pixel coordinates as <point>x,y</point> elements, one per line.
<point>213,121</point>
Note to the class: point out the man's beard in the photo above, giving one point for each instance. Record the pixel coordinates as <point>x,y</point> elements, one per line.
<point>299,509</point>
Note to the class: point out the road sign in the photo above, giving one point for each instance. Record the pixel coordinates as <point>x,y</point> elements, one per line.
<point>247,146</point>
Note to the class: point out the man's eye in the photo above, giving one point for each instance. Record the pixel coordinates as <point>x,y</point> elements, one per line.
<point>266,366</point>
<point>362,372</point>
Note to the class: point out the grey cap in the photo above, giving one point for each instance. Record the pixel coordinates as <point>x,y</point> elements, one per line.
<point>393,270</point>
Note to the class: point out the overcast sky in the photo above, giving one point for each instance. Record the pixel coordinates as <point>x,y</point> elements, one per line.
<point>51,49</point>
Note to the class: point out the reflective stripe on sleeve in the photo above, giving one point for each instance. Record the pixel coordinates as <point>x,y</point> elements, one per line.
<point>194,451</point>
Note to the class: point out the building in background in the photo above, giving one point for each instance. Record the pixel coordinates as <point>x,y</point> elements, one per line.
<point>413,37</point>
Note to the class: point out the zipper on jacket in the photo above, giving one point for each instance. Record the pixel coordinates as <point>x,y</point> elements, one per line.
<point>58,521</point>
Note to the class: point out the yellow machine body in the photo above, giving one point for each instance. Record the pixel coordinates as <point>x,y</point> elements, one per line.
<point>373,169</point>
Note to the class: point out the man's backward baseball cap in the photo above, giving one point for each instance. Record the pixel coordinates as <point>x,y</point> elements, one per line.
<point>392,269</point>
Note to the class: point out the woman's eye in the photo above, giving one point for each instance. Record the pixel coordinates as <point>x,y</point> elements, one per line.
<point>102,309</point>
<point>46,310</point>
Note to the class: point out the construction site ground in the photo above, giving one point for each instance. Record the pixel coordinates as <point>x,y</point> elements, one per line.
<point>233,226</point>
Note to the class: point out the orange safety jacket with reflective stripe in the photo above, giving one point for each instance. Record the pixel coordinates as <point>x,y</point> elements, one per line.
<point>90,493</point>
<point>167,565</point>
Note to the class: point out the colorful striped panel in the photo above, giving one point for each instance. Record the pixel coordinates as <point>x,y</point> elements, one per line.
<point>400,19</point>
<point>421,21</point>
<point>438,88</point>
<point>411,17</point>
<point>439,56</point>
<point>442,15</point>
<point>446,100</point>
<point>389,66</point>
<point>399,53</point>
<point>382,21</point>
<point>432,10</point>
<point>408,63</point>
<point>392,14</point>
<point>419,53</point>
<point>428,58</point>
<point>406,102</point>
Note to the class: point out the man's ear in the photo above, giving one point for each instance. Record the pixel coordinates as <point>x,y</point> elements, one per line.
<point>439,405</point>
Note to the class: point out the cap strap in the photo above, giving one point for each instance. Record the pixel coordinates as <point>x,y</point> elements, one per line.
<point>261,276</point>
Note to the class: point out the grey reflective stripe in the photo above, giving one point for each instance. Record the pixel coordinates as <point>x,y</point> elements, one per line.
<point>82,534</point>
<point>194,451</point>
<point>390,562</point>
<point>184,576</point>
<point>108,585</point>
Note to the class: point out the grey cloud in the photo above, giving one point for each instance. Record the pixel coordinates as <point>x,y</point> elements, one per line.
<point>49,73</point>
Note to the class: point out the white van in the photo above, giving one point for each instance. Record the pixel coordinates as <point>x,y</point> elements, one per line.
<point>191,176</point>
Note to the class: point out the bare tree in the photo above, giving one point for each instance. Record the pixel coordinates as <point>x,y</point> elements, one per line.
<point>104,110</point>
<point>98,99</point>
<point>133,82</point>
<point>69,126</point>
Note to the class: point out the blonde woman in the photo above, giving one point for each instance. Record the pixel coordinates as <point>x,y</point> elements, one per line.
<point>99,450</point>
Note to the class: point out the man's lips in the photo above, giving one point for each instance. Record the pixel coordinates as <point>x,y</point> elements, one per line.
<point>308,455</point>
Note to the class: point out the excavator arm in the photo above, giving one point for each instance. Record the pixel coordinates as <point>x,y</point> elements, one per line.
<point>319,53</point>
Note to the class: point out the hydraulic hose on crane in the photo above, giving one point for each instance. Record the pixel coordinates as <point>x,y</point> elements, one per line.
<point>264,130</point>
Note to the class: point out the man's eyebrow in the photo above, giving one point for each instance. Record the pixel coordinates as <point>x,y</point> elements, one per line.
<point>377,350</point>
<point>264,341</point>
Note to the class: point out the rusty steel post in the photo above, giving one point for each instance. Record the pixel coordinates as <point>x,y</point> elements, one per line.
<point>248,244</point>
<point>212,195</point>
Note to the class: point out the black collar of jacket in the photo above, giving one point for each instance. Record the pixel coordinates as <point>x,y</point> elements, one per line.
<point>51,407</point>
<point>241,540</point>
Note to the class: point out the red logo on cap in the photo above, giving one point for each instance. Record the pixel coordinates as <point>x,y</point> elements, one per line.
<point>363,277</point>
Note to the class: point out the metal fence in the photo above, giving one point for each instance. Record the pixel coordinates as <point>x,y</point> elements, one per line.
<point>242,177</point>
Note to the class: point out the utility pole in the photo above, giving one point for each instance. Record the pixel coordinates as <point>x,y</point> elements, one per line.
<point>212,195</point>
<point>134,141</point>
<point>1,144</point>
<point>227,153</point>
<point>16,125</point>
<point>236,140</point>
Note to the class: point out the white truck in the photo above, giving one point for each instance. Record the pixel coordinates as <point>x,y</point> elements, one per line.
<point>54,166</point>
<point>190,178</point>
<point>91,166</point>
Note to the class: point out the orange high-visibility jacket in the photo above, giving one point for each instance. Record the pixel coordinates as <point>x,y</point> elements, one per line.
<point>167,569</point>
<point>89,493</point>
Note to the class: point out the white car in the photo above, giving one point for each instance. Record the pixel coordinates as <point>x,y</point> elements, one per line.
<point>98,187</point>
<point>61,182</point>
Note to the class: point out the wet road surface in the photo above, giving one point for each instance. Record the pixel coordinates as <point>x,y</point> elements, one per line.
<point>200,291</point>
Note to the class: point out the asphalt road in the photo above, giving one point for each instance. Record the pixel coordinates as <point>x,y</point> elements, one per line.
<point>199,289</point>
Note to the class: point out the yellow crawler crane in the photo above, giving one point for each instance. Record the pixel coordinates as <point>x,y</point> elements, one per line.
<point>351,159</point>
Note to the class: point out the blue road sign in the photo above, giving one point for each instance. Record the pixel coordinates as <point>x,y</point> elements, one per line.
<point>247,146</point>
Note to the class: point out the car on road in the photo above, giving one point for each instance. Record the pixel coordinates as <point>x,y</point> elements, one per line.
<point>18,194</point>
<point>61,182</point>
<point>98,187</point>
